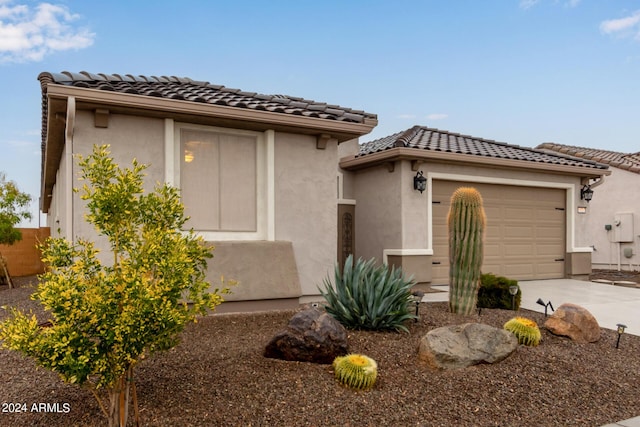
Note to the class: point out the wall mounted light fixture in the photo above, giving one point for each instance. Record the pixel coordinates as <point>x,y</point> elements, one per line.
<point>188,156</point>
<point>586,193</point>
<point>419,182</point>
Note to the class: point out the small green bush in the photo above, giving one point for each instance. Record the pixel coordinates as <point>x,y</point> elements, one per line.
<point>494,292</point>
<point>370,297</point>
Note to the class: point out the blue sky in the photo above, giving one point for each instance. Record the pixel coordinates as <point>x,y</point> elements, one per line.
<point>517,71</point>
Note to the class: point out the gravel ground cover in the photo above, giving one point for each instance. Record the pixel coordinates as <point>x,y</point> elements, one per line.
<point>217,376</point>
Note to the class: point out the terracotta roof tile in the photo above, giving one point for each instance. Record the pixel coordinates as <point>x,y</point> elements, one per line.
<point>430,139</point>
<point>626,161</point>
<point>184,88</point>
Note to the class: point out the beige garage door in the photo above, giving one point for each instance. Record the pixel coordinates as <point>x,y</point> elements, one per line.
<point>525,235</point>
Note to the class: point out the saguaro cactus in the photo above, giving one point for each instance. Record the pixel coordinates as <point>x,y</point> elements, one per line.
<point>466,221</point>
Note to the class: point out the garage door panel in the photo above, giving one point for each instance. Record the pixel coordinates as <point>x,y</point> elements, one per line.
<point>546,232</point>
<point>517,231</point>
<point>550,251</point>
<point>517,250</point>
<point>518,271</point>
<point>525,232</point>
<point>519,214</point>
<point>491,250</point>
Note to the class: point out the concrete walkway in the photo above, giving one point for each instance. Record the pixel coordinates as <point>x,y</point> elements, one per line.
<point>609,304</point>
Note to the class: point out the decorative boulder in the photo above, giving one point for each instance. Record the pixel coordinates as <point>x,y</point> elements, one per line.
<point>575,322</point>
<point>311,336</point>
<point>459,346</point>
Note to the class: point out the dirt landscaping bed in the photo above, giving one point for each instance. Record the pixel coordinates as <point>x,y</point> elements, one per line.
<point>217,376</point>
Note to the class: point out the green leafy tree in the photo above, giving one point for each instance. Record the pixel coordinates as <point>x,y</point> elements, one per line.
<point>14,206</point>
<point>106,317</point>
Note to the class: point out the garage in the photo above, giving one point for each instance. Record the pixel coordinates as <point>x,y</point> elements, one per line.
<point>525,235</point>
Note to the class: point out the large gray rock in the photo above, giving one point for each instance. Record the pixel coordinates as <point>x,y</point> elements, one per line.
<point>575,322</point>
<point>459,346</point>
<point>311,336</point>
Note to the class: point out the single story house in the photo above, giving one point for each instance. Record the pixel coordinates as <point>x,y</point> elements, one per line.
<point>257,172</point>
<point>613,220</point>
<point>536,213</point>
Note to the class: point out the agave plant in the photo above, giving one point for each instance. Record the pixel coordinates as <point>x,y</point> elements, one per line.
<point>367,296</point>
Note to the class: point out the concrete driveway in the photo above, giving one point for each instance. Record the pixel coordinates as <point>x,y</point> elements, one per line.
<point>609,304</point>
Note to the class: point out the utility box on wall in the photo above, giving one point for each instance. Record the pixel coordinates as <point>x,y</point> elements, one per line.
<point>623,230</point>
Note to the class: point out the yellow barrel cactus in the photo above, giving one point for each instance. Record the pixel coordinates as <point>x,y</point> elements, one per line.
<point>356,371</point>
<point>526,330</point>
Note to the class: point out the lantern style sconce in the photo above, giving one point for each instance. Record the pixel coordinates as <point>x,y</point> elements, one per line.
<point>621,329</point>
<point>419,182</point>
<point>586,193</point>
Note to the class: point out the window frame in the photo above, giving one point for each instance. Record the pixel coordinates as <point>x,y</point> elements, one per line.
<point>264,177</point>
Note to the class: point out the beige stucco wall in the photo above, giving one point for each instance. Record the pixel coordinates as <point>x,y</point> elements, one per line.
<point>378,211</point>
<point>618,193</point>
<point>305,205</point>
<point>263,270</point>
<point>413,209</point>
<point>58,208</point>
<point>391,215</point>
<point>347,181</point>
<point>129,137</point>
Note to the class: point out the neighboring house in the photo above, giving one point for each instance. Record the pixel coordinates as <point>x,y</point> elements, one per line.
<point>613,216</point>
<point>532,200</point>
<point>257,172</point>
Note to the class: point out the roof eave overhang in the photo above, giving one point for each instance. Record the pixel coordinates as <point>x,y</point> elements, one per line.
<point>147,105</point>
<point>200,113</point>
<point>403,153</point>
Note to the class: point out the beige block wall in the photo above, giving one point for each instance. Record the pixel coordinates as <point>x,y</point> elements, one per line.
<point>23,257</point>
<point>306,206</point>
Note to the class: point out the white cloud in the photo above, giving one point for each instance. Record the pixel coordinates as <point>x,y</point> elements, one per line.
<point>437,116</point>
<point>622,26</point>
<point>526,4</point>
<point>406,116</point>
<point>28,34</point>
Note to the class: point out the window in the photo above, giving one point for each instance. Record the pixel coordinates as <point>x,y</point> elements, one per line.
<point>222,177</point>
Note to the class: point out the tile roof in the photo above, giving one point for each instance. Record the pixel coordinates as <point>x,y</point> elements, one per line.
<point>430,139</point>
<point>627,161</point>
<point>186,89</point>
